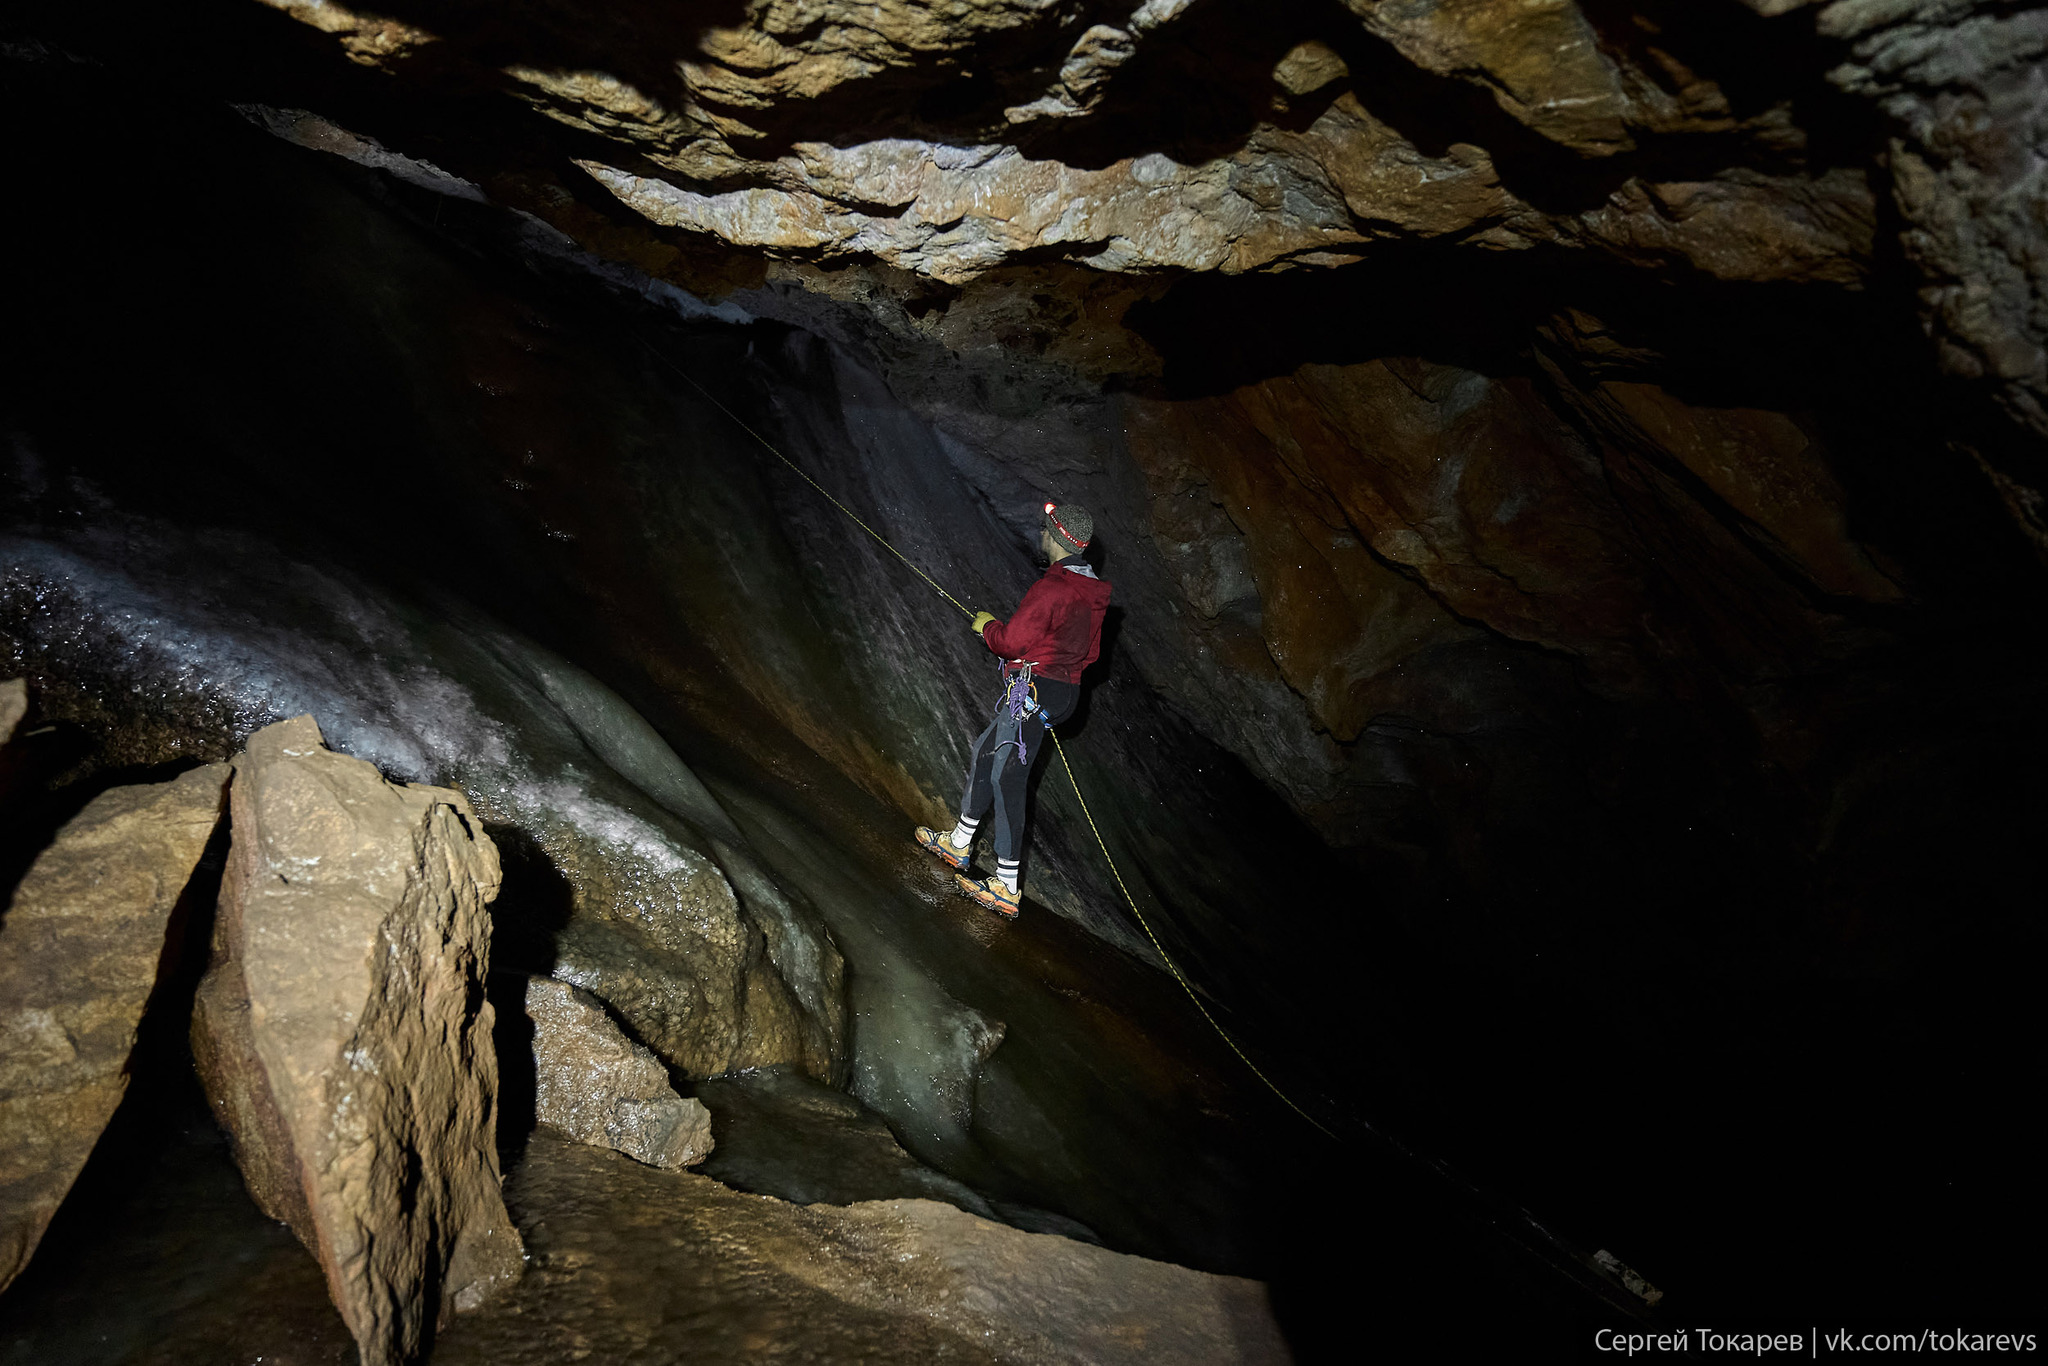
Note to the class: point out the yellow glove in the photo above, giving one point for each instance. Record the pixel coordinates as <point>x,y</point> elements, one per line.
<point>981,621</point>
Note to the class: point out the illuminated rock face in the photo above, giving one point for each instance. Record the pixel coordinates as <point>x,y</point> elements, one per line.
<point>634,1262</point>
<point>949,142</point>
<point>343,1035</point>
<point>1507,639</point>
<point>80,946</point>
<point>1019,174</point>
<point>599,1087</point>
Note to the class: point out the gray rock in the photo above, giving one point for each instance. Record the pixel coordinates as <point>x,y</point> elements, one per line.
<point>1960,83</point>
<point>344,1038</point>
<point>599,1087</point>
<point>79,952</point>
<point>783,1134</point>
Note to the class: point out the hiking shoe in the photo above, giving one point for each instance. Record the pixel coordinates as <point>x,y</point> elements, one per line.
<point>991,892</point>
<point>936,841</point>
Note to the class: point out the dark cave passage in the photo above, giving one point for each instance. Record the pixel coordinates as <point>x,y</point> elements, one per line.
<point>1582,736</point>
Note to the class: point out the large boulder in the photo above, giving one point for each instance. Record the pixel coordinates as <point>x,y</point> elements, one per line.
<point>599,1087</point>
<point>79,951</point>
<point>344,1038</point>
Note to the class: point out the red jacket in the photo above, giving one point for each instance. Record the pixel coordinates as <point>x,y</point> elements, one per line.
<point>1058,626</point>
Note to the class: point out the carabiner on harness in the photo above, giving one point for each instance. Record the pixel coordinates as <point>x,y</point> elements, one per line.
<point>1019,704</point>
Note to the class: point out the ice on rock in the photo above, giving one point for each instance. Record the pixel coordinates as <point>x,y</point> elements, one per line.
<point>673,922</point>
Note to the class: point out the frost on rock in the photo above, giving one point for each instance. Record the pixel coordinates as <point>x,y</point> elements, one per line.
<point>440,694</point>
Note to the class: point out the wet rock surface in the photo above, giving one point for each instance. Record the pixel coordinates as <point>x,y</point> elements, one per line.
<point>160,1258</point>
<point>622,1253</point>
<point>709,962</point>
<point>597,1086</point>
<point>787,1136</point>
<point>81,944</point>
<point>343,1035</point>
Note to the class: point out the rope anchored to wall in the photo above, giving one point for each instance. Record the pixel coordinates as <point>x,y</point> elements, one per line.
<point>1129,900</point>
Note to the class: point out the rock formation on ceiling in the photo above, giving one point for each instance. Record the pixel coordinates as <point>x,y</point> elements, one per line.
<point>1176,136</point>
<point>1027,170</point>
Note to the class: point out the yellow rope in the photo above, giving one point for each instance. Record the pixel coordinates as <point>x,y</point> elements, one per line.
<point>1164,956</point>
<point>880,539</point>
<point>1100,843</point>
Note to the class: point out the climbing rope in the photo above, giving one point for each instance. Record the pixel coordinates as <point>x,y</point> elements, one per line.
<point>880,539</point>
<point>1164,956</point>
<point>1061,749</point>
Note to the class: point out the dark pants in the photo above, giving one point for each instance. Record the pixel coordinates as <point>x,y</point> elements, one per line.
<point>997,777</point>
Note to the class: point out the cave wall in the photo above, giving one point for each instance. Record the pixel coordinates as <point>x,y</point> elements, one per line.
<point>1511,651</point>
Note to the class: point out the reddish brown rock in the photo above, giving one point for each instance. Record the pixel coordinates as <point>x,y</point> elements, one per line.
<point>1385,506</point>
<point>1540,59</point>
<point>79,952</point>
<point>344,1038</point>
<point>788,134</point>
<point>1764,467</point>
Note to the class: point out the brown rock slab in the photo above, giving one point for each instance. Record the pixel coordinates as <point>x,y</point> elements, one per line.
<point>343,1035</point>
<point>635,1264</point>
<point>599,1087</point>
<point>1540,59</point>
<point>79,950</point>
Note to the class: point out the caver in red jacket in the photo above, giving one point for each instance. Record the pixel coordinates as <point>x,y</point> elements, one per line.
<point>1058,626</point>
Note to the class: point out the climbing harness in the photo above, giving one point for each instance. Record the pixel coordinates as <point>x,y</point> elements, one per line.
<point>1025,701</point>
<point>1019,704</point>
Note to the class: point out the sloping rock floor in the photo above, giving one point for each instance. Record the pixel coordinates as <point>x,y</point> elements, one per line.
<point>158,1254</point>
<point>629,1263</point>
<point>634,1264</point>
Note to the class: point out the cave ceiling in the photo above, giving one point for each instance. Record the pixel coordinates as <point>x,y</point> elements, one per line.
<point>1177,135</point>
<point>1018,174</point>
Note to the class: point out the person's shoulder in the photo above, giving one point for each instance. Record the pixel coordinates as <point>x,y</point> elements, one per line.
<point>1086,582</point>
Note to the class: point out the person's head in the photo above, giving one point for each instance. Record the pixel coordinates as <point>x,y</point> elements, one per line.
<point>1066,531</point>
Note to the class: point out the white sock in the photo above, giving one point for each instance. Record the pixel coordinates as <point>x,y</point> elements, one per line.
<point>963,833</point>
<point>1009,869</point>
